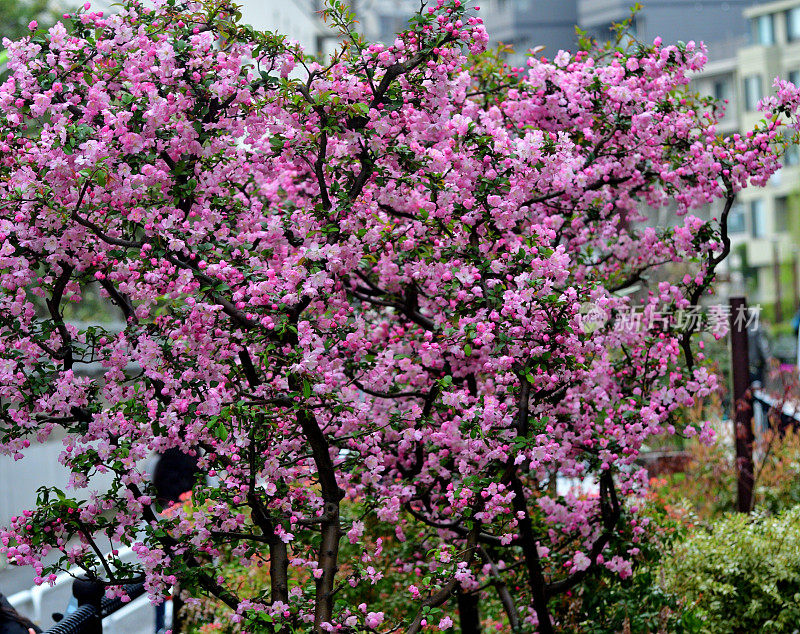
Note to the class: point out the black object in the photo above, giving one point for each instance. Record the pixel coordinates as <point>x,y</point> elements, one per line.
<point>88,617</point>
<point>175,474</point>
<point>11,621</point>
<point>93,607</point>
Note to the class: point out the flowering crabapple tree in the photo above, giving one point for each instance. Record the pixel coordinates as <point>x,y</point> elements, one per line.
<point>352,289</point>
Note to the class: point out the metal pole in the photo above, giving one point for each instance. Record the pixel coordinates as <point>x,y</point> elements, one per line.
<point>742,405</point>
<point>795,283</point>
<point>777,274</point>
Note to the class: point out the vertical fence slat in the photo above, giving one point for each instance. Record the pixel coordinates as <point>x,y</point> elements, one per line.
<point>742,405</point>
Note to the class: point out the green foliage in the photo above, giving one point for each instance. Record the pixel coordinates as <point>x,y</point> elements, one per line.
<point>15,15</point>
<point>741,574</point>
<point>605,604</point>
<point>707,486</point>
<point>636,605</point>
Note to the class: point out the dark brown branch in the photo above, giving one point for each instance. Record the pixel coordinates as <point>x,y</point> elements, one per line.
<point>249,369</point>
<point>278,552</point>
<point>122,301</point>
<point>530,549</point>
<point>522,406</point>
<point>407,308</point>
<point>469,616</point>
<point>95,228</point>
<point>54,308</point>
<point>331,495</point>
<point>206,581</point>
<point>596,185</point>
<point>456,527</point>
<point>367,169</point>
<point>635,277</point>
<point>112,580</point>
<point>377,394</point>
<point>372,300</point>
<point>610,511</point>
<point>393,212</point>
<point>227,306</point>
<point>8,323</point>
<point>241,536</point>
<point>502,591</point>
<point>713,262</point>
<point>104,236</point>
<point>419,454</point>
<point>411,309</point>
<point>319,165</point>
<point>444,593</point>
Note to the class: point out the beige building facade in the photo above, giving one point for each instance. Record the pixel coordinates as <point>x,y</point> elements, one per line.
<point>765,221</point>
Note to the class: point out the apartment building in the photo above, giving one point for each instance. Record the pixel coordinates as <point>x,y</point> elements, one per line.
<point>765,222</point>
<point>526,24</point>
<point>300,20</point>
<point>381,20</point>
<point>672,20</point>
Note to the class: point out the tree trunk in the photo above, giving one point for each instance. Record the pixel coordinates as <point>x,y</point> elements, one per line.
<point>468,613</point>
<point>178,616</point>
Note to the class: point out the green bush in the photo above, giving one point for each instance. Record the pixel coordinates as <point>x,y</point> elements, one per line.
<point>741,573</point>
<point>638,605</point>
<point>605,604</point>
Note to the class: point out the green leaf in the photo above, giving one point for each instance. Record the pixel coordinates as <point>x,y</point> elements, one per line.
<point>221,432</point>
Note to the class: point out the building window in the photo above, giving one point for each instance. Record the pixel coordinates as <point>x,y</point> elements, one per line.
<point>736,220</point>
<point>765,30</point>
<point>793,24</point>
<point>386,25</point>
<point>637,25</point>
<point>794,77</point>
<point>758,227</point>
<point>792,156</point>
<point>781,214</point>
<point>752,91</point>
<point>722,89</point>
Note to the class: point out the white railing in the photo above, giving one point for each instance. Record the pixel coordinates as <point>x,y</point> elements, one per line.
<point>30,601</point>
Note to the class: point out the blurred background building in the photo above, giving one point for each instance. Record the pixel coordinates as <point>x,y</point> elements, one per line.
<point>750,42</point>
<point>526,24</point>
<point>765,222</point>
<point>298,19</point>
<point>712,21</point>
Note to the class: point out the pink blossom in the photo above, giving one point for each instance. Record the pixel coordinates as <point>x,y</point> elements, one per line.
<point>356,295</point>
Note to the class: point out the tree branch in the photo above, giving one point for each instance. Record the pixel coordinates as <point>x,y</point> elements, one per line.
<point>54,308</point>
<point>536,582</point>
<point>502,591</point>
<point>441,595</point>
<point>331,495</point>
<point>610,510</point>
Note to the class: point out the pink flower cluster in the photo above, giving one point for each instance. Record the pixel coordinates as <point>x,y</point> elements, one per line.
<point>353,290</point>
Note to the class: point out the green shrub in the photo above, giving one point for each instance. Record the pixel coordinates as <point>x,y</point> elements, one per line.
<point>605,604</point>
<point>741,573</point>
